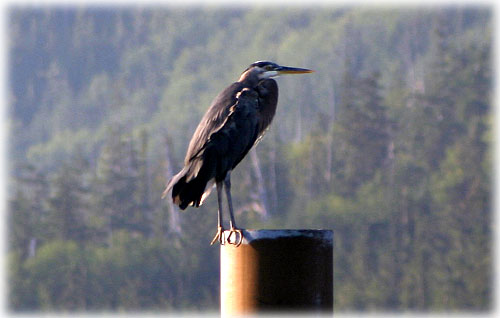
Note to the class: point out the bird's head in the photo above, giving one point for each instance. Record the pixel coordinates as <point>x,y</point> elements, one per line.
<point>266,69</point>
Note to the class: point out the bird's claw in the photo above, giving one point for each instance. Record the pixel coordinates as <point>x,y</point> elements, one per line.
<point>238,239</point>
<point>219,236</point>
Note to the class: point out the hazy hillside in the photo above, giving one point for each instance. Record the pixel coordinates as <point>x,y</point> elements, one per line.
<point>387,143</point>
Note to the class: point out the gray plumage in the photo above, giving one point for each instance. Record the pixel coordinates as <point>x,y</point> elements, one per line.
<point>235,121</point>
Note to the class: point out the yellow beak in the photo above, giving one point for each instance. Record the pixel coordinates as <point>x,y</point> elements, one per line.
<point>292,70</point>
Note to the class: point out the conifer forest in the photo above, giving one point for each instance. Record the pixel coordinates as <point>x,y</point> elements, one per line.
<point>388,143</point>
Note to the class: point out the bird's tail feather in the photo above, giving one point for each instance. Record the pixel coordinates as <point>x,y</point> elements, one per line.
<point>188,190</point>
<point>173,181</point>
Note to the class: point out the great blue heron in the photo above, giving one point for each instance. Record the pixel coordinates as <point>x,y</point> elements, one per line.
<point>237,119</point>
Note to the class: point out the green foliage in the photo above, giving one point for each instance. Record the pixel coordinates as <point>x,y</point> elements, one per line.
<point>22,222</point>
<point>388,143</point>
<point>58,276</point>
<point>361,131</point>
<point>66,205</point>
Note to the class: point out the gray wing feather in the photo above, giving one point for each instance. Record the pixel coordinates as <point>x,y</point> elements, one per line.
<point>213,120</point>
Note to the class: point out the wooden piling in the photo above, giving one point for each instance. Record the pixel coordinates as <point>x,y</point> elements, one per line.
<point>275,271</point>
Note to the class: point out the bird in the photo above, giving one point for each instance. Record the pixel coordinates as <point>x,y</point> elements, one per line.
<point>236,120</point>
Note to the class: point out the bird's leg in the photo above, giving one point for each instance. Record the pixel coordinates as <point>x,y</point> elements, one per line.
<point>219,236</point>
<point>232,223</point>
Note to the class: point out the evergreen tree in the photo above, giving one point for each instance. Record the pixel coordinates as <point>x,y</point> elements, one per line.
<point>461,191</point>
<point>362,131</point>
<point>117,186</point>
<point>22,223</point>
<point>67,206</point>
<point>27,211</point>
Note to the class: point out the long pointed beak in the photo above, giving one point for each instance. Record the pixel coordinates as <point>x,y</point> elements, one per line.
<point>292,70</point>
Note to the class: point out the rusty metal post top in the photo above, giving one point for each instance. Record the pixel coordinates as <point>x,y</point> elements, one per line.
<point>277,271</point>
<point>250,235</point>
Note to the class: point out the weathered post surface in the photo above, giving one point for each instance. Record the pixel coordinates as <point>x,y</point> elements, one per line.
<point>276,271</point>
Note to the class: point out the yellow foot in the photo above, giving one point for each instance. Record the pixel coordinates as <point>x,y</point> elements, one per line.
<point>239,236</point>
<point>219,236</point>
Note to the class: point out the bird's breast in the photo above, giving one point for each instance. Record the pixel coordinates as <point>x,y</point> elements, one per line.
<point>268,100</point>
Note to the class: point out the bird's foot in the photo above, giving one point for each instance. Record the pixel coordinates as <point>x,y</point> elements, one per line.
<point>219,236</point>
<point>238,239</point>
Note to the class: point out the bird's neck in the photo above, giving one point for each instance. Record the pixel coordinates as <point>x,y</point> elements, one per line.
<point>249,78</point>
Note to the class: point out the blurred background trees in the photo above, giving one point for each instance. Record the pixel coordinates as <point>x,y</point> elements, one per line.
<point>388,144</point>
